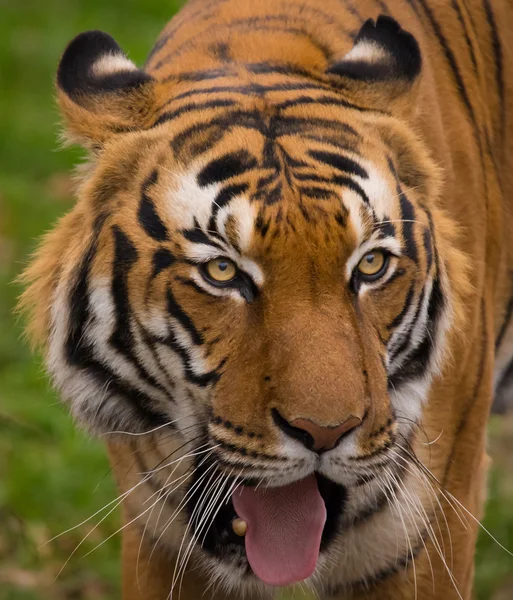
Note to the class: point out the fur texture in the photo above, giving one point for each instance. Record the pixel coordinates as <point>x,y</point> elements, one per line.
<point>292,138</point>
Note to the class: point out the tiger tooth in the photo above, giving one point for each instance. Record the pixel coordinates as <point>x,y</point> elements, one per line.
<point>239,527</point>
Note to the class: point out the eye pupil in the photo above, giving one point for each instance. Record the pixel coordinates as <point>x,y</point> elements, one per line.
<point>220,270</point>
<point>372,265</point>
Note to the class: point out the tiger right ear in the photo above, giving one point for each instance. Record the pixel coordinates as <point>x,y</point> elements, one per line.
<point>100,91</point>
<point>382,67</point>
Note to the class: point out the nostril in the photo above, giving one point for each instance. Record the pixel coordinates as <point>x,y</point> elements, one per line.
<point>297,433</point>
<point>315,437</point>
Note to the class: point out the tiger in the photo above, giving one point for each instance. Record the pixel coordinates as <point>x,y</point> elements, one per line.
<point>283,296</point>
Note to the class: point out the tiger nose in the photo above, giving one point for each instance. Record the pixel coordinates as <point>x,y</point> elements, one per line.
<point>318,438</point>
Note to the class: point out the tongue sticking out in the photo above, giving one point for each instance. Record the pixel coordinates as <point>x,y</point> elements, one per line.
<point>284,529</point>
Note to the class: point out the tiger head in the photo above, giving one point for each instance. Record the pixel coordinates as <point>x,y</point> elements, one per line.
<point>257,261</point>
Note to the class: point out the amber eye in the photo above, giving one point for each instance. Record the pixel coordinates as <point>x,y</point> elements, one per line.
<point>221,270</point>
<point>372,265</point>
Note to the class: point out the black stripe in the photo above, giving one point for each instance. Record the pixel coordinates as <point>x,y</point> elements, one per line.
<point>203,380</point>
<point>408,224</point>
<point>311,177</point>
<point>251,89</point>
<point>80,354</point>
<point>384,8</point>
<point>150,344</point>
<point>192,107</point>
<point>505,323</point>
<point>191,283</point>
<point>381,500</point>
<point>162,259</point>
<point>470,46</point>
<point>238,118</point>
<point>499,62</point>
<point>122,338</point>
<point>147,215</point>
<point>339,162</point>
<point>291,125</point>
<point>428,248</point>
<point>198,236</point>
<point>125,256</point>
<point>418,361</point>
<point>196,140</point>
<point>204,75</point>
<point>268,68</point>
<point>225,167</point>
<point>353,10</point>
<point>395,275</point>
<point>325,101</point>
<point>352,185</point>
<point>79,298</point>
<point>385,228</point>
<point>177,312</point>
<point>398,319</point>
<point>317,193</point>
<point>222,199</point>
<point>404,339</point>
<point>451,59</point>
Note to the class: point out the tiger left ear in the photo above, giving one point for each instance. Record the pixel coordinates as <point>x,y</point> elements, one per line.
<point>382,67</point>
<point>100,91</point>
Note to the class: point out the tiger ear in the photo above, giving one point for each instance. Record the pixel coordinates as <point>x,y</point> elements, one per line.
<point>100,91</point>
<point>383,66</point>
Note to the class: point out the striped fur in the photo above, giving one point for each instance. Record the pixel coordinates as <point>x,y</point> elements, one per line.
<point>292,138</point>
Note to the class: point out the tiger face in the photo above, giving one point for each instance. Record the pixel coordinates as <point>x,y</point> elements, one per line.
<point>263,273</point>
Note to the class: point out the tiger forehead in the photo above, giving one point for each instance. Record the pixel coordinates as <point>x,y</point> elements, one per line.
<point>293,181</point>
<point>259,193</point>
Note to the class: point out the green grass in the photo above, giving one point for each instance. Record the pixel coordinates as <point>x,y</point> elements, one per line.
<point>52,476</point>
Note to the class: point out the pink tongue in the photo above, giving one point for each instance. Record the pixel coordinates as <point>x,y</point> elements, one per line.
<point>284,529</point>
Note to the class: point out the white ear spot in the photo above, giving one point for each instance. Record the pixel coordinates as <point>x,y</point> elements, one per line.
<point>368,52</point>
<point>109,64</point>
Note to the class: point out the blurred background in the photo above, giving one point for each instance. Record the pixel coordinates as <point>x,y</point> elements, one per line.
<point>53,477</point>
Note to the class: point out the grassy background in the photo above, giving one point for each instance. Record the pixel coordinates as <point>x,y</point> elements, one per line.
<point>52,477</point>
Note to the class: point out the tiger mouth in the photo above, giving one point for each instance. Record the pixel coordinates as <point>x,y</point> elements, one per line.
<point>219,540</point>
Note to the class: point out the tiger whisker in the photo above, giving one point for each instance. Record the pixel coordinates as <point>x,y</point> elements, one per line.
<point>461,506</point>
<point>441,489</point>
<point>204,497</point>
<point>383,486</point>
<point>431,494</point>
<point>200,526</point>
<point>407,539</point>
<point>413,503</point>
<point>180,506</point>
<point>120,529</point>
<point>161,468</point>
<point>166,494</point>
<point>209,518</point>
<point>186,475</point>
<point>439,551</point>
<point>167,424</point>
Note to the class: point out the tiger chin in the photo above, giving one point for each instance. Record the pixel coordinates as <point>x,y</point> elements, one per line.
<point>283,297</point>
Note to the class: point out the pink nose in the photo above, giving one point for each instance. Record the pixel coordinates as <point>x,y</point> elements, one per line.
<point>315,437</point>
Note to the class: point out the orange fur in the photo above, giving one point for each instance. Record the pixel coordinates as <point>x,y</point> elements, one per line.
<point>449,136</point>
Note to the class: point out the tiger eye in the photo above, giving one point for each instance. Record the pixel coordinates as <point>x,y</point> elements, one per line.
<point>372,263</point>
<point>221,270</point>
